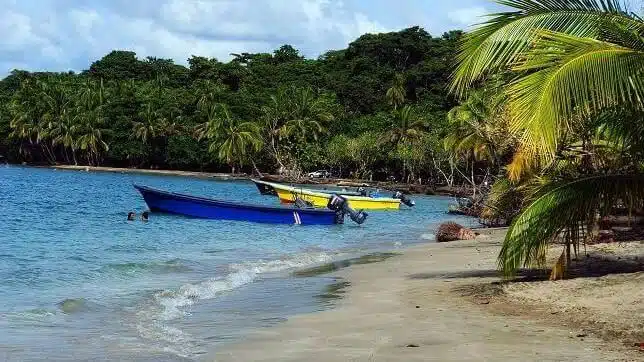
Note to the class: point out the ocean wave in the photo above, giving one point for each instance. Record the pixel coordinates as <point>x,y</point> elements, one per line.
<point>168,305</point>
<point>169,266</point>
<point>174,302</point>
<point>74,305</point>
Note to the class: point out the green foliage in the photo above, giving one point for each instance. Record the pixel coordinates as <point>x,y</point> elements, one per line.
<point>306,113</point>
<point>565,209</point>
<point>572,74</point>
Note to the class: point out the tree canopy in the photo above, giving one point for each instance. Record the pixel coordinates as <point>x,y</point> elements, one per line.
<point>282,110</point>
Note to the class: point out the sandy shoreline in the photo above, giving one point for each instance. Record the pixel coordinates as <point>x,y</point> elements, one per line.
<point>437,302</point>
<point>407,188</point>
<point>195,174</point>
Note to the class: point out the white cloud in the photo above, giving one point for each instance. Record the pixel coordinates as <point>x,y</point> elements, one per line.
<point>60,35</point>
<point>17,31</point>
<point>468,16</point>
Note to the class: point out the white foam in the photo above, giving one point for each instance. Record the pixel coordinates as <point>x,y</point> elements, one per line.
<point>428,236</point>
<point>174,303</point>
<point>153,323</point>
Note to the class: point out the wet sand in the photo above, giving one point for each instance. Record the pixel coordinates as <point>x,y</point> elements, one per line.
<point>440,302</point>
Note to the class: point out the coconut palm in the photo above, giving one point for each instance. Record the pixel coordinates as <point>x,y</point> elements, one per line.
<point>233,141</point>
<point>396,93</point>
<point>567,53</point>
<point>569,57</point>
<point>407,125</point>
<point>479,128</point>
<point>89,121</point>
<point>292,116</point>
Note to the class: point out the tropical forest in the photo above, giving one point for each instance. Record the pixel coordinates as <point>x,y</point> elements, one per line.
<point>537,112</point>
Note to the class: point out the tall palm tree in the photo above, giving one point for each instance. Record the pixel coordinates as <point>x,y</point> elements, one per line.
<point>233,141</point>
<point>89,121</point>
<point>479,128</point>
<point>25,112</point>
<point>567,57</point>
<point>396,93</point>
<point>407,126</point>
<point>292,116</point>
<point>64,133</point>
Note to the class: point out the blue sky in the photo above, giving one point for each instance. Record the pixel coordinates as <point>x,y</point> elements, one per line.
<point>59,35</point>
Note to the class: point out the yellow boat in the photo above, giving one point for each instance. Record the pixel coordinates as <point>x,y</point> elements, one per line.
<point>287,194</point>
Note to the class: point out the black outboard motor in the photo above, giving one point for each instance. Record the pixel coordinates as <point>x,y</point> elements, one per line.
<point>404,199</point>
<point>340,205</point>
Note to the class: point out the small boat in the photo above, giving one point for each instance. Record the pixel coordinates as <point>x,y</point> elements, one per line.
<point>201,207</point>
<point>265,188</point>
<point>289,194</point>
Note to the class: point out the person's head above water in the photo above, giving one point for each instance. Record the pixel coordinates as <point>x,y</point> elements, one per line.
<point>131,215</point>
<point>145,216</point>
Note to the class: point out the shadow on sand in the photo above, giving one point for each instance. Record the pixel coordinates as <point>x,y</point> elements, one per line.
<point>593,264</point>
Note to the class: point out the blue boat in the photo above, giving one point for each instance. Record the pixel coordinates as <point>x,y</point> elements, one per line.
<point>174,203</point>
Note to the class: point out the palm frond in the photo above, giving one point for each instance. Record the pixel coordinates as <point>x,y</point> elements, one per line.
<point>568,71</point>
<point>567,206</point>
<point>498,42</point>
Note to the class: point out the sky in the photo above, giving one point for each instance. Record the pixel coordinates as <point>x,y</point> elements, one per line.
<point>61,35</point>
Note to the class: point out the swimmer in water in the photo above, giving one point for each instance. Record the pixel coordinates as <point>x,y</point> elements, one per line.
<point>144,216</point>
<point>131,216</point>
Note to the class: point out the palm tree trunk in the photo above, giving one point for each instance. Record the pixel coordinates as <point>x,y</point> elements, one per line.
<point>51,158</point>
<point>255,168</point>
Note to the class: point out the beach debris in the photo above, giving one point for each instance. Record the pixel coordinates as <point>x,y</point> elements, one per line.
<point>417,306</point>
<point>450,231</point>
<point>413,345</point>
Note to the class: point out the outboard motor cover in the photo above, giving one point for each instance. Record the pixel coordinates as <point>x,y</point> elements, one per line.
<point>358,217</point>
<point>340,205</point>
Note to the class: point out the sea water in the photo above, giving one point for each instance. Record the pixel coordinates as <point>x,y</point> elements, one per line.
<point>78,281</point>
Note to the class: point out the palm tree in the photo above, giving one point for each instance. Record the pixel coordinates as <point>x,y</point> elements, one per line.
<point>568,57</point>
<point>396,94</point>
<point>154,128</point>
<point>292,116</point>
<point>479,127</point>
<point>231,140</point>
<point>64,133</point>
<point>89,121</point>
<point>25,113</point>
<point>407,126</point>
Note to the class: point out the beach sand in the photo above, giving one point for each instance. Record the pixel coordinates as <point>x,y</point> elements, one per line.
<point>438,302</point>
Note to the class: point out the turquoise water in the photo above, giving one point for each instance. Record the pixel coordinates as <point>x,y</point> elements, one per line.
<point>78,281</point>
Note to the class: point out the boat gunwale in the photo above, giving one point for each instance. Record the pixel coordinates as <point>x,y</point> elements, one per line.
<point>309,192</point>
<point>239,205</point>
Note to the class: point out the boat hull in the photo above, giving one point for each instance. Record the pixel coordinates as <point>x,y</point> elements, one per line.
<point>173,203</point>
<point>321,200</point>
<point>266,188</point>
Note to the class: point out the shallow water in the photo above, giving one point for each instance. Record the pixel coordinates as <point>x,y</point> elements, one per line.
<point>78,281</point>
